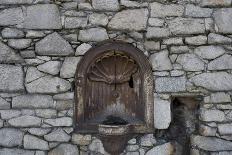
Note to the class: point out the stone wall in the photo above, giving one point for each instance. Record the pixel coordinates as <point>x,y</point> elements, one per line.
<point>188,42</point>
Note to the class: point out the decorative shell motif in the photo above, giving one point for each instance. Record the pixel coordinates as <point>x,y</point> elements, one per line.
<point>113,69</point>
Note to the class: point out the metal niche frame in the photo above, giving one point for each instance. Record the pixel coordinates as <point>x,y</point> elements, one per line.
<point>147,85</point>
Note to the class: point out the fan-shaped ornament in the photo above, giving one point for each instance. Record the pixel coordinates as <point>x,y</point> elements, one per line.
<point>113,69</point>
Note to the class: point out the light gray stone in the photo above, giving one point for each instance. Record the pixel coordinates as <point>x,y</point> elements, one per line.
<point>196,40</point>
<point>34,62</point>
<point>35,34</point>
<point>164,149</point>
<point>223,20</point>
<point>225,129</point>
<point>12,16</point>
<point>152,45</point>
<point>220,97</point>
<point>46,113</point>
<point>32,142</point>
<point>39,131</point>
<point>180,26</point>
<point>173,41</point>
<point>97,146</point>
<point>69,66</point>
<point>57,135</point>
<point>214,38</point>
<point>98,19</point>
<point>196,11</point>
<point>14,151</point>
<point>48,84</point>
<point>64,104</point>
<point>179,49</point>
<point>93,34</point>
<point>218,81</point>
<point>190,62</point>
<point>82,49</point>
<point>155,22</point>
<point>25,121</point>
<point>75,22</point>
<point>11,78</point>
<point>32,74</point>
<point>19,43</point>
<point>4,104</point>
<point>170,84</point>
<point>209,52</point>
<point>27,53</point>
<point>42,16</point>
<point>63,121</point>
<point>207,131</point>
<point>162,115</point>
<point>130,4</point>
<point>8,55</point>
<point>12,33</point>
<point>147,140</point>
<point>64,96</point>
<point>212,115</point>
<point>50,67</point>
<point>8,114</point>
<point>32,101</point>
<point>211,143</point>
<point>53,45</point>
<point>11,137</point>
<point>131,20</point>
<point>105,5</point>
<point>64,149</point>
<point>85,6</point>
<point>132,148</point>
<point>16,1</point>
<point>156,32</point>
<point>40,153</point>
<point>160,61</point>
<point>221,63</point>
<point>81,139</point>
<point>215,3</point>
<point>160,10</point>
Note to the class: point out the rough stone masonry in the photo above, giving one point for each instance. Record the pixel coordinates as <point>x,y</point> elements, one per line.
<point>188,42</point>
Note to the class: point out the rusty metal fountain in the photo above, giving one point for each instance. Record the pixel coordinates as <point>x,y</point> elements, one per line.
<point>114,94</point>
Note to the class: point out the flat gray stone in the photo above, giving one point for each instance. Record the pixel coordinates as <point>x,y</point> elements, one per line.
<point>179,49</point>
<point>215,3</point>
<point>98,19</point>
<point>46,113</point>
<point>214,38</point>
<point>42,16</point>
<point>32,142</point>
<point>131,20</point>
<point>75,22</point>
<point>11,78</point>
<point>221,63</point>
<point>32,74</point>
<point>64,104</point>
<point>8,55</point>
<point>69,66</point>
<point>64,96</point>
<point>63,121</point>
<point>27,53</point>
<point>25,121</point>
<point>207,131</point>
<point>196,11</point>
<point>152,45</point>
<point>4,104</point>
<point>82,49</point>
<point>155,22</point>
<point>19,43</point>
<point>8,114</point>
<point>35,34</point>
<point>223,20</point>
<point>97,146</point>
<point>48,84</point>
<point>209,52</point>
<point>147,140</point>
<point>12,16</point>
<point>93,34</point>
<point>156,32</point>
<point>79,139</point>
<point>161,10</point>
<point>160,61</point>
<point>50,67</point>
<point>105,5</point>
<point>180,26</point>
<point>57,135</point>
<point>173,41</point>
<point>220,97</point>
<point>212,115</point>
<point>190,62</point>
<point>162,115</point>
<point>64,149</point>
<point>11,137</point>
<point>32,101</point>
<point>12,33</point>
<point>211,143</point>
<point>7,151</point>
<point>196,40</point>
<point>164,149</point>
<point>53,45</point>
<point>170,84</point>
<point>218,81</point>
<point>16,1</point>
<point>39,131</point>
<point>225,129</point>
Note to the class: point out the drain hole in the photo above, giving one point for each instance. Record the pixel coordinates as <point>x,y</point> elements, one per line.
<point>131,82</point>
<point>113,120</point>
